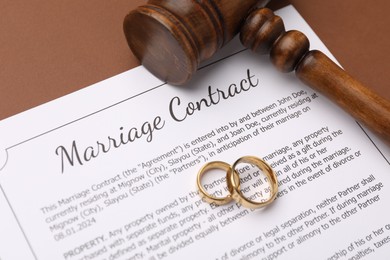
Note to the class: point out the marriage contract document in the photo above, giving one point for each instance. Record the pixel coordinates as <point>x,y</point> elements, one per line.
<point>109,172</point>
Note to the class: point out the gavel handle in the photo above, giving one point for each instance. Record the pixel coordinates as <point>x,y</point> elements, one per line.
<point>264,32</point>
<point>320,73</point>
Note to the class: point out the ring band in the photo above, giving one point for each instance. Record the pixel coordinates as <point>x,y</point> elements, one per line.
<point>205,195</point>
<point>234,185</point>
<point>233,182</point>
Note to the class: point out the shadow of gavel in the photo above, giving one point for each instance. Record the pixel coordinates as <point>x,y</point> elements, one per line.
<point>172,37</point>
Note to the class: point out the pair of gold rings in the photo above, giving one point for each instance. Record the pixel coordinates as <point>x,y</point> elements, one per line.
<point>233,183</point>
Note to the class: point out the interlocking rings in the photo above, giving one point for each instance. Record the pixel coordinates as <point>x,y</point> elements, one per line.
<point>233,182</point>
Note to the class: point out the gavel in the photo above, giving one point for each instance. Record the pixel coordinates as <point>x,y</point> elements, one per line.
<point>171,38</point>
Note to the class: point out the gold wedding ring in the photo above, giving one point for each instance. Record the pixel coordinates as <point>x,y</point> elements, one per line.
<point>234,185</point>
<point>205,195</point>
<point>233,182</point>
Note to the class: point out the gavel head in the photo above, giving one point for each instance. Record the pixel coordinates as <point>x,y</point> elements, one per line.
<point>172,37</point>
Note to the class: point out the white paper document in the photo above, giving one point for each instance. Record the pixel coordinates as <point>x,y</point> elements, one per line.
<point>109,172</point>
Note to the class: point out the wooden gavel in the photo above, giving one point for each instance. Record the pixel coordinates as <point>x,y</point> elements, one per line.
<point>172,37</point>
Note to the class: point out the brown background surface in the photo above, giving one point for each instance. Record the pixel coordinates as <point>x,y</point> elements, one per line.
<point>52,48</point>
